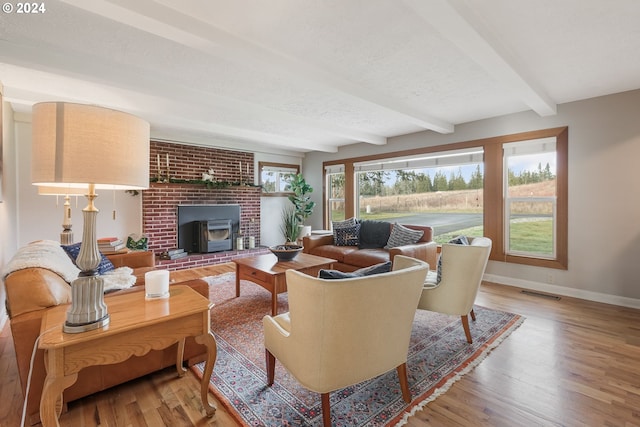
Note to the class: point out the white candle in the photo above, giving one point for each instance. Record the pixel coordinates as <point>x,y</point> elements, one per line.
<point>158,159</point>
<point>156,284</point>
<point>252,242</point>
<point>239,244</point>
<point>240,168</point>
<point>167,165</point>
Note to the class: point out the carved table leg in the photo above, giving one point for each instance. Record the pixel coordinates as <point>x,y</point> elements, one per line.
<point>51,399</point>
<point>210,342</point>
<point>179,357</point>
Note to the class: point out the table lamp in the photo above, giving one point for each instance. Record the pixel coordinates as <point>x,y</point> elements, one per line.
<point>88,147</point>
<point>66,236</point>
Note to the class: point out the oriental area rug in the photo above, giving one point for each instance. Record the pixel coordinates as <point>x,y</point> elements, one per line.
<point>439,355</point>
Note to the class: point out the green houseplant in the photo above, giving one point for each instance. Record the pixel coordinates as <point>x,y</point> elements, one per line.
<point>289,226</point>
<point>290,249</point>
<point>302,203</point>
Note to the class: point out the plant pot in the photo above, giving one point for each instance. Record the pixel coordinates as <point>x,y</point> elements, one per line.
<point>304,230</point>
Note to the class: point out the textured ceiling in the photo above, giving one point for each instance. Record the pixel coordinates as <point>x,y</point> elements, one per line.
<point>307,75</point>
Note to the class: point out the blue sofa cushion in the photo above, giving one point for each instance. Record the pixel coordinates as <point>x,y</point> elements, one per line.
<point>384,267</point>
<point>374,234</point>
<point>460,240</point>
<point>347,236</point>
<point>73,251</point>
<point>339,225</point>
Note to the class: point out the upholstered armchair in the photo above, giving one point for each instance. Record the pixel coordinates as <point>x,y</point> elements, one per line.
<point>345,331</point>
<point>462,268</point>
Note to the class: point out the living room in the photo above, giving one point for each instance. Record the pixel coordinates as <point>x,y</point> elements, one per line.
<point>605,127</point>
<point>604,143</point>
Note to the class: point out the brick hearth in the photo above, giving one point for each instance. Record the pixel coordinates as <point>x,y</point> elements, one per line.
<point>160,201</point>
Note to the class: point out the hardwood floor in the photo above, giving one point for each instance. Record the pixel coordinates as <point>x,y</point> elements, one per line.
<point>571,363</point>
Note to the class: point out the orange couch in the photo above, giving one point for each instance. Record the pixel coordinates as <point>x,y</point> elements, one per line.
<point>32,291</point>
<point>351,258</point>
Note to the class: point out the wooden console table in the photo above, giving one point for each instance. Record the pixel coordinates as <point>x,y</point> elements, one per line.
<point>136,327</point>
<point>266,271</point>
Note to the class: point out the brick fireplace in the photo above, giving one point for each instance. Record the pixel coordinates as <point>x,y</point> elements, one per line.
<point>160,201</point>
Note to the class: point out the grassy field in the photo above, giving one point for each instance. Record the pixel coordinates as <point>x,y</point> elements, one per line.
<point>532,237</point>
<point>527,236</point>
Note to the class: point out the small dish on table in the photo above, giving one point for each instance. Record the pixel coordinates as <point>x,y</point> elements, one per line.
<point>286,252</point>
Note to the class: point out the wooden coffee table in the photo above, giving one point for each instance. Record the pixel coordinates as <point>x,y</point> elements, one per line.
<point>266,271</point>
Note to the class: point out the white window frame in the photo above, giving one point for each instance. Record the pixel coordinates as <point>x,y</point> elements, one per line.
<point>329,171</point>
<point>282,171</point>
<point>512,149</point>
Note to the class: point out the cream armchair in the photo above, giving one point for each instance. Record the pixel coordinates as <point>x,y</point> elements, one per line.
<point>345,331</point>
<point>462,270</point>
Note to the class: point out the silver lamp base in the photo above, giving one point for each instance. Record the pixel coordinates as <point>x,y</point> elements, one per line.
<point>88,310</point>
<point>76,329</point>
<point>66,237</point>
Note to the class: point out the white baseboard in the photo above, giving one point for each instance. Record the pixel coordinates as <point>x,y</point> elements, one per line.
<point>564,291</point>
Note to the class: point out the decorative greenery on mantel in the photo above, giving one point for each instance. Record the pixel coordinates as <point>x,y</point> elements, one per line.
<point>207,180</point>
<point>206,183</point>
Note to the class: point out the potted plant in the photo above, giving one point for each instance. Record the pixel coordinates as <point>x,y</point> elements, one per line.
<point>302,203</point>
<point>289,226</point>
<point>290,249</point>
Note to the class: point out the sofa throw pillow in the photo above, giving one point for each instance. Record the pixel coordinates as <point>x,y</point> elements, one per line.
<point>343,224</point>
<point>73,251</point>
<point>334,274</point>
<point>460,240</point>
<point>337,225</point>
<point>401,235</point>
<point>374,234</point>
<point>348,236</point>
<point>384,267</point>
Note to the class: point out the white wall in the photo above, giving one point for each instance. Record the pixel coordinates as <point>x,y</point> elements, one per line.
<point>38,216</point>
<point>604,207</point>
<point>8,241</point>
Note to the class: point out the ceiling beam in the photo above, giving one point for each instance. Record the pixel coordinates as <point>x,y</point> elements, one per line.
<point>466,30</point>
<point>176,26</point>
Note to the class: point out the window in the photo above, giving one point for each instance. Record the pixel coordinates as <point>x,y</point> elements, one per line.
<point>274,177</point>
<point>444,190</point>
<point>530,198</point>
<point>335,204</point>
<point>512,189</point>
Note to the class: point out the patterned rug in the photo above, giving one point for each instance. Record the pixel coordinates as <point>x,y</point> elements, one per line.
<point>438,356</point>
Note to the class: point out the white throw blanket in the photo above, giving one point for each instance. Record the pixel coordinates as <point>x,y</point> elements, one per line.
<point>48,254</point>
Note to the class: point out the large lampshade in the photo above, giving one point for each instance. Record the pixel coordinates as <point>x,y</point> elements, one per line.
<point>77,145</point>
<point>88,147</point>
